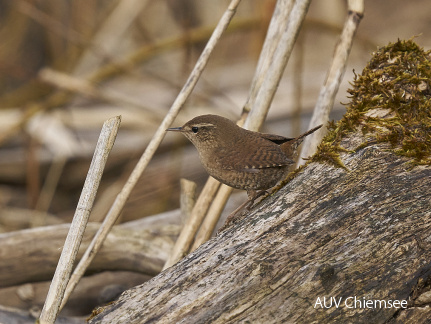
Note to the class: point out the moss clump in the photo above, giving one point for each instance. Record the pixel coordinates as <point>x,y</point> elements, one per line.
<point>397,81</point>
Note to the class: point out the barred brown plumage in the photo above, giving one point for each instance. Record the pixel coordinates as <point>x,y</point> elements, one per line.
<point>238,157</point>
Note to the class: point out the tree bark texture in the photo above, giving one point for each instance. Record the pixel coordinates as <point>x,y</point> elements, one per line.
<point>359,226</point>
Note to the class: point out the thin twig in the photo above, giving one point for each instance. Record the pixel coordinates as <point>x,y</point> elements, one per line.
<point>111,32</point>
<point>112,69</point>
<point>74,237</point>
<point>124,194</point>
<point>274,57</point>
<point>186,237</point>
<point>188,232</point>
<point>297,91</point>
<point>87,88</point>
<point>329,90</point>
<point>212,217</point>
<point>48,189</point>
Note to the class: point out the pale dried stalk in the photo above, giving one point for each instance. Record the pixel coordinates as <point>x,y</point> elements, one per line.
<point>109,35</point>
<point>282,33</point>
<point>124,194</point>
<point>186,237</point>
<point>297,92</point>
<point>87,88</point>
<point>212,216</point>
<point>74,237</point>
<point>217,195</point>
<point>260,107</point>
<point>48,189</point>
<point>276,27</point>
<point>329,90</point>
<point>187,198</point>
<point>112,69</point>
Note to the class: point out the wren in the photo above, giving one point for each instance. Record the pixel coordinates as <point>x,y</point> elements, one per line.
<point>238,157</point>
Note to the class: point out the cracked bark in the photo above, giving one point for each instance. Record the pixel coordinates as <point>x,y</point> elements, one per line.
<point>329,232</point>
<point>361,231</point>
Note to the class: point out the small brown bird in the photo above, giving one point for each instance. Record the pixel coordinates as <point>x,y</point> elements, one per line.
<point>238,157</point>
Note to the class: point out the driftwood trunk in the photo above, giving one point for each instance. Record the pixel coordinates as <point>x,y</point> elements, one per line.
<point>31,255</point>
<point>134,251</point>
<point>355,222</point>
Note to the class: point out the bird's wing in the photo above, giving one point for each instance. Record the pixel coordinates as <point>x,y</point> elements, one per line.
<point>251,158</point>
<point>277,139</point>
<point>270,157</point>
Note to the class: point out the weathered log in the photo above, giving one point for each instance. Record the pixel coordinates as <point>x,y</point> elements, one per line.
<point>17,316</point>
<point>32,255</point>
<point>355,222</point>
<point>91,292</point>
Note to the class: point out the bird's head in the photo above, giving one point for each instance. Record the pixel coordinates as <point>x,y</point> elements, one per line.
<point>206,131</point>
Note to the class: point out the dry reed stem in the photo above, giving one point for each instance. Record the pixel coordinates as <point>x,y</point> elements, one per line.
<point>88,89</point>
<point>109,35</point>
<point>48,190</point>
<point>297,92</point>
<point>199,215</point>
<point>61,277</point>
<point>282,33</point>
<point>61,97</point>
<point>277,63</point>
<point>187,198</point>
<point>276,27</point>
<point>124,194</point>
<point>188,232</point>
<point>212,217</point>
<point>325,101</point>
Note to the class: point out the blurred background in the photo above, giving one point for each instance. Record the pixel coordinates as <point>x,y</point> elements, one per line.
<point>67,66</point>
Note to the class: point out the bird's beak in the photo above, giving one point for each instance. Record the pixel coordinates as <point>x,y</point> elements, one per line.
<point>174,129</point>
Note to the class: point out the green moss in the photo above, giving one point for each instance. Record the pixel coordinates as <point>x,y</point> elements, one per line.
<point>289,177</point>
<point>396,80</point>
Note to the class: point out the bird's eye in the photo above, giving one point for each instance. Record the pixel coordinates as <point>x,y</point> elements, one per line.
<point>195,129</point>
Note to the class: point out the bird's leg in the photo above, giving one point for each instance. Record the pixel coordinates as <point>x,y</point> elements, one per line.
<point>248,204</point>
<point>233,214</point>
<point>253,195</point>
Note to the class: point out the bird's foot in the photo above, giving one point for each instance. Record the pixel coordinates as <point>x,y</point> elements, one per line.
<point>253,195</point>
<point>235,215</point>
<point>238,213</point>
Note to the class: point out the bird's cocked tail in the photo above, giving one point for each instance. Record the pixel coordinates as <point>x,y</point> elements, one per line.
<point>290,147</point>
